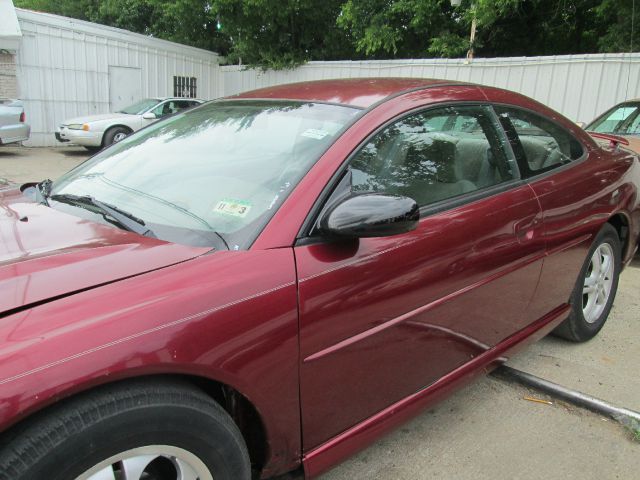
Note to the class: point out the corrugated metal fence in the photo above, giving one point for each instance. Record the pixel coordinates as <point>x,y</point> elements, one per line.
<point>578,86</point>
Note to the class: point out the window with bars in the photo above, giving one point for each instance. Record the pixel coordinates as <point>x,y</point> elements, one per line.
<point>185,87</point>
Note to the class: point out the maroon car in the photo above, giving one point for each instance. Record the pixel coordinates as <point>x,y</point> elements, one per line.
<point>269,282</point>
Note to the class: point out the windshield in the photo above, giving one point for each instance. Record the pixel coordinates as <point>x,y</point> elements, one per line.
<point>622,119</point>
<point>220,169</point>
<point>140,107</point>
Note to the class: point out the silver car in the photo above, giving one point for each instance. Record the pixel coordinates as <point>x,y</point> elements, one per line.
<point>98,131</point>
<point>13,126</point>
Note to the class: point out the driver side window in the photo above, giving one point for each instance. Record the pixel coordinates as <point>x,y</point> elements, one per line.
<point>164,109</point>
<point>432,156</point>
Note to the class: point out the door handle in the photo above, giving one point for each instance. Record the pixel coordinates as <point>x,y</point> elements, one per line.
<point>524,228</point>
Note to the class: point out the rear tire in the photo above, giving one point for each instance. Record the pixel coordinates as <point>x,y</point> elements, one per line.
<point>595,289</point>
<point>154,429</point>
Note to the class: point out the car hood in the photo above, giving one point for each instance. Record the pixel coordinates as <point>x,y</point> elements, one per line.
<point>47,254</point>
<point>96,118</point>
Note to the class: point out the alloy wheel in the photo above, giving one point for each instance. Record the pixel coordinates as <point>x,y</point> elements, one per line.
<point>119,136</point>
<point>598,283</point>
<point>154,462</point>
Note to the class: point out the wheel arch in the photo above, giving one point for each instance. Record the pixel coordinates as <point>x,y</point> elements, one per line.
<point>111,127</point>
<point>620,221</point>
<point>244,413</point>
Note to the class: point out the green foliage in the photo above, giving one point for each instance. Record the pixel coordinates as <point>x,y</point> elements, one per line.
<point>80,9</point>
<point>286,33</point>
<point>282,34</point>
<point>399,28</point>
<point>618,14</point>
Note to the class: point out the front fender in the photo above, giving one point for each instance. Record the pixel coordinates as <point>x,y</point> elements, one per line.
<point>228,316</point>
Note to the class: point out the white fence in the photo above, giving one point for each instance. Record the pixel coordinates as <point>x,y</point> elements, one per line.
<point>578,86</point>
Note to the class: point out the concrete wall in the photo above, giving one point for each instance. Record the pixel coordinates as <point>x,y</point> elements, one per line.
<point>578,86</point>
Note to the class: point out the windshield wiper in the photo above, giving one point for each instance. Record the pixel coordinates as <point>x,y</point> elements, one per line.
<point>127,220</point>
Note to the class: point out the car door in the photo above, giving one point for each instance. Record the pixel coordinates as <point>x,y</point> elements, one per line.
<point>382,318</point>
<point>571,195</point>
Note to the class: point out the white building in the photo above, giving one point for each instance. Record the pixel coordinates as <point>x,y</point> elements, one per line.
<point>61,68</point>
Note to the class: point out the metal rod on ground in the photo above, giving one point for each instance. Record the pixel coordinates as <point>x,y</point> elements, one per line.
<point>629,418</point>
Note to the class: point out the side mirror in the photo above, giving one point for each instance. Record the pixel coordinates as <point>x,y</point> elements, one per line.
<point>149,116</point>
<point>581,124</point>
<point>370,215</point>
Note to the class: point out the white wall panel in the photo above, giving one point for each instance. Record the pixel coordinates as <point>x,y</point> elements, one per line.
<point>578,86</point>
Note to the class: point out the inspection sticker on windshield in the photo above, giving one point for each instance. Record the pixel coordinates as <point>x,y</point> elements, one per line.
<point>235,208</point>
<point>315,133</point>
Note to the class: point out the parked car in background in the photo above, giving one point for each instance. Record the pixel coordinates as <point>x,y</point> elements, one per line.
<point>622,120</point>
<point>269,282</point>
<point>95,132</point>
<point>13,126</point>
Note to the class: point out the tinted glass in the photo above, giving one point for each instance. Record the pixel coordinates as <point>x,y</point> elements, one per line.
<point>541,144</point>
<point>433,155</point>
<point>222,167</point>
<point>623,119</point>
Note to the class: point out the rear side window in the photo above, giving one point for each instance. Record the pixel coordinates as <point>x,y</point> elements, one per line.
<point>433,155</point>
<point>539,144</point>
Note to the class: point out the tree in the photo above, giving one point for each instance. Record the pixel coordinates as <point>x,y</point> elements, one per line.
<point>282,34</point>
<point>404,28</point>
<point>619,15</point>
<point>286,33</point>
<point>80,9</point>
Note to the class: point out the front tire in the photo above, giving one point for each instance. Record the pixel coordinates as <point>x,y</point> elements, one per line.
<point>152,429</point>
<point>595,290</point>
<point>114,135</point>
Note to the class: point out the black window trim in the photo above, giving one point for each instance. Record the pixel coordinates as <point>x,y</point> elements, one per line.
<point>304,236</point>
<point>526,173</point>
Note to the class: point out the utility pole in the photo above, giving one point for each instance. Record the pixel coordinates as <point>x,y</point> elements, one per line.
<point>474,25</point>
<point>472,37</point>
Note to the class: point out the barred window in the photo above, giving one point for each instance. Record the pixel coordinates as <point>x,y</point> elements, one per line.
<point>184,87</point>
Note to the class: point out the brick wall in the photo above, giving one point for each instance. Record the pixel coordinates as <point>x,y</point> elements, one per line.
<point>8,80</point>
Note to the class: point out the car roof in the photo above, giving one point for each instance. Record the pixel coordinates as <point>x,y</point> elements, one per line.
<point>162,99</point>
<point>356,92</point>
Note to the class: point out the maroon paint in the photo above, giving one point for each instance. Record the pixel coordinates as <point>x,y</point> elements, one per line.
<point>410,309</point>
<point>371,311</point>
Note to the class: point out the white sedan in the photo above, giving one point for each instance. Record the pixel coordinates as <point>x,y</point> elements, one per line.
<point>98,131</point>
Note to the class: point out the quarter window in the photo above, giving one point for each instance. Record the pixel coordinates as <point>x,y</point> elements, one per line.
<point>433,156</point>
<point>538,143</point>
